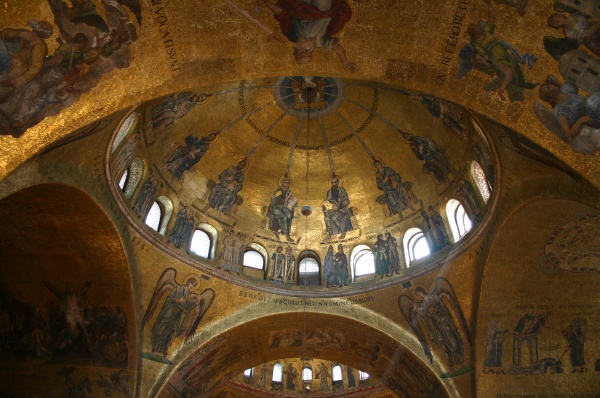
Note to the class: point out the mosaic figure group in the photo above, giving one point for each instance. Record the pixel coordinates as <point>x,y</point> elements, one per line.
<point>35,84</point>
<point>233,248</point>
<point>283,265</point>
<point>182,230</point>
<point>387,257</point>
<point>574,118</point>
<point>336,267</point>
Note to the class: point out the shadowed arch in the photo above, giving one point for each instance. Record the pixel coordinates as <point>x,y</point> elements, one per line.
<point>332,338</point>
<point>61,258</point>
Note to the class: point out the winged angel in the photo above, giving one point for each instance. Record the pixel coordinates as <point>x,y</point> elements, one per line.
<point>181,311</point>
<point>431,318</point>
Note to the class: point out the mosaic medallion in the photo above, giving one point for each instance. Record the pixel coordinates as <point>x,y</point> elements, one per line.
<point>296,94</point>
<point>575,246</point>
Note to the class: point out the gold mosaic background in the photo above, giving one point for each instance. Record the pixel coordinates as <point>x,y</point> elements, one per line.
<point>64,227</point>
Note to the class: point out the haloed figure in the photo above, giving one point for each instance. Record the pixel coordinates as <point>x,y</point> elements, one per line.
<point>312,24</point>
<point>337,211</point>
<point>281,209</point>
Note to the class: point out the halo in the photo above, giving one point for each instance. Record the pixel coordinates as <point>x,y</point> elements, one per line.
<point>206,94</point>
<point>338,178</point>
<point>245,160</point>
<point>192,276</point>
<point>419,285</point>
<point>215,132</point>
<point>377,160</point>
<point>281,180</point>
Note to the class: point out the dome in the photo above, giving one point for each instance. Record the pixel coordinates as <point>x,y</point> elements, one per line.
<point>371,162</point>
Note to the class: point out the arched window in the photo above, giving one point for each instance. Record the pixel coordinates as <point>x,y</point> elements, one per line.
<point>309,269</point>
<point>254,259</point>
<point>125,128</point>
<point>459,221</point>
<point>123,180</point>
<point>201,243</point>
<point>131,177</point>
<point>336,373</point>
<point>363,375</point>
<point>478,175</point>
<point>277,373</point>
<point>167,209</point>
<point>363,261</point>
<point>249,372</point>
<point>154,217</point>
<point>307,373</point>
<point>415,245</point>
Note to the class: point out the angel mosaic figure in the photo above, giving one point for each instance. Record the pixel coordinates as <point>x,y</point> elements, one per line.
<point>181,311</point>
<point>431,318</point>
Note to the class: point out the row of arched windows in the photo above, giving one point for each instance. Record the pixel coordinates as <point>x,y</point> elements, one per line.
<point>307,373</point>
<point>416,242</point>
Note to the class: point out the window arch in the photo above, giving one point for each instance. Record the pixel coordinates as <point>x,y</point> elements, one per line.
<point>249,372</point>
<point>336,373</point>
<point>203,241</point>
<point>254,256</point>
<point>363,261</point>
<point>307,374</point>
<point>253,259</point>
<point>459,221</point>
<point>478,175</point>
<point>131,177</point>
<point>363,375</point>
<point>167,209</point>
<point>309,269</point>
<point>277,373</point>
<point>154,216</point>
<point>415,245</point>
<point>125,129</point>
